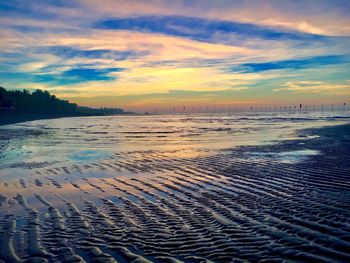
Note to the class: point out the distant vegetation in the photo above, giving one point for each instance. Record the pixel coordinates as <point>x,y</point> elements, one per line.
<point>24,104</point>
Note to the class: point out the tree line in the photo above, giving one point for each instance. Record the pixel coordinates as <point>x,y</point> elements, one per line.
<point>42,102</point>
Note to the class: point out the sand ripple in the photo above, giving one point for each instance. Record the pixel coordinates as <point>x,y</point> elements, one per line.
<point>148,206</point>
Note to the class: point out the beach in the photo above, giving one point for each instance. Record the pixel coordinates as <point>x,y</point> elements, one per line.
<point>252,187</point>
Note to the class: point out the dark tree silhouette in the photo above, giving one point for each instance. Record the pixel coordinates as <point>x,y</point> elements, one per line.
<point>41,104</point>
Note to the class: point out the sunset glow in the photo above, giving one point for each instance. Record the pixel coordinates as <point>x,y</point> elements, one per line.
<point>146,54</point>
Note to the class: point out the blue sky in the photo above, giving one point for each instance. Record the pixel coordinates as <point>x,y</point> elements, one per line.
<point>141,54</point>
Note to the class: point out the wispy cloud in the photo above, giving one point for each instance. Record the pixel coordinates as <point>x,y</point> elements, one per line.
<point>202,29</point>
<point>72,52</point>
<point>308,86</point>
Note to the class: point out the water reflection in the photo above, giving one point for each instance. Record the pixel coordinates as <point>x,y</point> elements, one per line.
<point>70,140</point>
<point>285,157</point>
<point>89,155</point>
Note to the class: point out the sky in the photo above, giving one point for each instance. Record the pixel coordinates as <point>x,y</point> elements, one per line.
<point>169,53</point>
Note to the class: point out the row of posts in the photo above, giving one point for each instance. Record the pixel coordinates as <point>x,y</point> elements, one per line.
<point>295,108</point>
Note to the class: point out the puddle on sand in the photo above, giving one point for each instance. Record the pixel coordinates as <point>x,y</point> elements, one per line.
<point>285,157</point>
<point>89,155</point>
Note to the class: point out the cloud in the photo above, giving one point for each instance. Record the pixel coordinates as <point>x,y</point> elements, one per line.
<point>201,29</point>
<point>315,17</point>
<point>307,86</point>
<point>68,52</point>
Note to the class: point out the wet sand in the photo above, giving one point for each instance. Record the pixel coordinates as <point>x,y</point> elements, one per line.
<point>268,203</point>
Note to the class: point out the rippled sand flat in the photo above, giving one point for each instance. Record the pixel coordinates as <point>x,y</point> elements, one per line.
<point>209,189</point>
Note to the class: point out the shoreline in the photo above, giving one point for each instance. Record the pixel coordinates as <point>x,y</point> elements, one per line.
<point>7,119</point>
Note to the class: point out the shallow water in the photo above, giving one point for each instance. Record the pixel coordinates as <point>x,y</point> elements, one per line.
<point>71,141</point>
<point>165,186</point>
